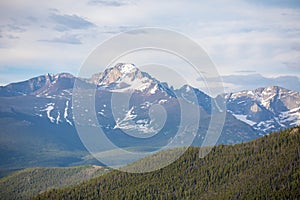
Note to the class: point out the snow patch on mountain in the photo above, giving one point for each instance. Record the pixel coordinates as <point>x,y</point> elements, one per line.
<point>141,126</point>
<point>128,117</point>
<point>48,109</point>
<point>58,117</point>
<point>66,113</point>
<point>162,101</point>
<point>154,89</point>
<point>126,68</point>
<point>244,119</point>
<point>126,84</point>
<point>292,116</point>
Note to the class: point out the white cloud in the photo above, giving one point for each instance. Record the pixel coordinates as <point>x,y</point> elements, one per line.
<point>252,81</point>
<point>238,35</point>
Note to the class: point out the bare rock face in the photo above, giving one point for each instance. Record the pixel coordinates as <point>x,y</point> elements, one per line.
<point>117,73</point>
<point>255,108</point>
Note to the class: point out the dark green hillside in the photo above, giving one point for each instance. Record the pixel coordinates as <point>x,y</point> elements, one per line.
<point>267,168</point>
<point>29,182</point>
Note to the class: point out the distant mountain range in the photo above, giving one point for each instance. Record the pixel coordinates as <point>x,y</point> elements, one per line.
<point>265,109</point>
<point>37,121</point>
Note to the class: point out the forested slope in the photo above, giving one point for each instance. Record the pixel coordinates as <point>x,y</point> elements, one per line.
<point>29,182</point>
<point>266,168</point>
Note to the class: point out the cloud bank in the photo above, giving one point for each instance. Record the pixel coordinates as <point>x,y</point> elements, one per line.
<point>54,36</point>
<point>253,81</point>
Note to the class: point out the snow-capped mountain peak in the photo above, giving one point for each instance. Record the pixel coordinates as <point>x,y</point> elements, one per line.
<point>124,77</point>
<point>266,109</point>
<point>117,73</point>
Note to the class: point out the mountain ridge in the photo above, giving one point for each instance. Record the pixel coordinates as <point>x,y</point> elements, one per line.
<point>48,106</point>
<point>269,108</point>
<point>261,111</point>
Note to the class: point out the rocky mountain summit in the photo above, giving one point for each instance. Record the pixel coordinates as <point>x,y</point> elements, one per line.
<point>266,109</point>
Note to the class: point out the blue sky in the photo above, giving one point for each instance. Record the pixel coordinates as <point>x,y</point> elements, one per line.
<point>242,38</point>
